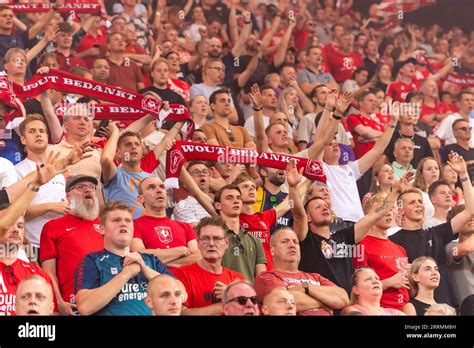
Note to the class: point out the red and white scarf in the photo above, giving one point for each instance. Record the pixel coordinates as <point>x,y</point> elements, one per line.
<point>69,83</point>
<point>184,151</point>
<point>83,7</point>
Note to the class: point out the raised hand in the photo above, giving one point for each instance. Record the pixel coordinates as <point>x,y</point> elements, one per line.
<point>331,100</point>
<point>343,102</point>
<point>47,171</point>
<point>50,35</point>
<point>293,176</point>
<point>456,162</point>
<point>255,96</point>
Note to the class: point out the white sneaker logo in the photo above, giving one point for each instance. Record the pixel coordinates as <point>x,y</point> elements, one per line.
<point>70,228</point>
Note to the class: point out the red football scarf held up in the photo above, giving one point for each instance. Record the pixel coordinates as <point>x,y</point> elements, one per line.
<point>69,83</point>
<point>184,151</point>
<point>92,8</point>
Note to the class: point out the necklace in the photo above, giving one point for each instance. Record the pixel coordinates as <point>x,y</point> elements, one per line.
<point>406,136</point>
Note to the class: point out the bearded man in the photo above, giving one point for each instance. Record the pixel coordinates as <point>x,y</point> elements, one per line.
<point>65,241</point>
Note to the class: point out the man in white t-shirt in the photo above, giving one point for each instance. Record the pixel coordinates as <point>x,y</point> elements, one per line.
<point>465,102</point>
<point>342,179</point>
<point>7,173</point>
<point>50,202</point>
<point>269,104</point>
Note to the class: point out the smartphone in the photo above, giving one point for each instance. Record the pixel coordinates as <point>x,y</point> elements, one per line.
<point>103,124</point>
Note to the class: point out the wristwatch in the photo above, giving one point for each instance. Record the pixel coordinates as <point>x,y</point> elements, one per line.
<point>305,284</point>
<point>33,187</point>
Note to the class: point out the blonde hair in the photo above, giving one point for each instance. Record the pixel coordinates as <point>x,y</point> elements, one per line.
<point>415,268</point>
<point>355,278</point>
<point>284,107</point>
<point>419,180</point>
<point>440,309</point>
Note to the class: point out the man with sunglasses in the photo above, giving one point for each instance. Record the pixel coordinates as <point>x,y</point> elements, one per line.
<point>66,240</point>
<point>240,299</point>
<point>206,280</point>
<point>462,131</point>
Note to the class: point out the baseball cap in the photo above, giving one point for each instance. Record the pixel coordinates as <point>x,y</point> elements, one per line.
<point>73,180</point>
<point>400,64</point>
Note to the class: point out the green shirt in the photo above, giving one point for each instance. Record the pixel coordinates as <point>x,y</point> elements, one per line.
<point>245,252</point>
<point>399,170</point>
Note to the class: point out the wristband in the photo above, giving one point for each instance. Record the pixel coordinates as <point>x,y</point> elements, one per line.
<point>33,187</point>
<point>466,178</point>
<point>336,117</point>
<point>258,109</point>
<point>249,22</point>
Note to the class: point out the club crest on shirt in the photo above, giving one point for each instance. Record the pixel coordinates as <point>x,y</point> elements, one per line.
<point>96,227</point>
<point>164,234</point>
<point>326,249</point>
<point>263,224</point>
<point>245,225</point>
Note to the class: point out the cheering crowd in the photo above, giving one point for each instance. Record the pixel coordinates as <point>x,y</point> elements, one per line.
<point>234,157</point>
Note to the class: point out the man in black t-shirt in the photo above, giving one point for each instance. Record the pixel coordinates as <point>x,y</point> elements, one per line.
<point>432,241</point>
<point>331,254</point>
<point>462,132</point>
<point>160,74</point>
<point>407,130</point>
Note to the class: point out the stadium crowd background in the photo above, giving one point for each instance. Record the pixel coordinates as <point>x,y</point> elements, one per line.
<point>88,227</point>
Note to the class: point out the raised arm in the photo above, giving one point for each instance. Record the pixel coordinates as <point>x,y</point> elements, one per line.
<point>456,162</point>
<point>54,126</point>
<point>42,175</point>
<point>44,21</point>
<point>368,160</point>
<point>249,70</point>
<point>197,193</point>
<point>108,154</point>
<point>168,140</point>
<point>260,135</point>
<point>300,219</point>
<point>50,35</point>
<point>281,51</point>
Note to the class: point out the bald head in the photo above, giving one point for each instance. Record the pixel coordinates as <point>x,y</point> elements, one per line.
<point>34,296</point>
<point>166,295</point>
<point>279,302</point>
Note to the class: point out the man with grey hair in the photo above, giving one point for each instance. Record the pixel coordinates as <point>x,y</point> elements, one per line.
<point>34,296</point>
<point>65,241</point>
<point>77,124</point>
<point>240,299</point>
<point>403,152</point>
<point>314,294</point>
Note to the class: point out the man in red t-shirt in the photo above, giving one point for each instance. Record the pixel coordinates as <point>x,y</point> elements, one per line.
<point>259,224</point>
<point>345,60</point>
<point>173,242</point>
<point>65,241</point>
<point>206,280</point>
<point>398,90</point>
<point>366,127</point>
<point>319,295</point>
<point>387,259</point>
<point>14,269</point>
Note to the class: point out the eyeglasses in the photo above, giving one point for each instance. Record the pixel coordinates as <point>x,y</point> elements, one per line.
<point>83,187</point>
<point>218,68</point>
<point>207,239</point>
<point>196,172</point>
<point>11,279</point>
<point>465,129</point>
<point>230,135</point>
<point>242,300</point>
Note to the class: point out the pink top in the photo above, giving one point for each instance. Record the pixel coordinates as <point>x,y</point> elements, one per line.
<point>387,311</point>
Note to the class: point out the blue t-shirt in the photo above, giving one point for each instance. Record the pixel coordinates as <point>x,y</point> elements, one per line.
<point>267,201</point>
<point>11,147</point>
<point>97,269</point>
<point>123,187</point>
<point>19,39</point>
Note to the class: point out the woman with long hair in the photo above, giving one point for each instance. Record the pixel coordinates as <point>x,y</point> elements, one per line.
<point>176,82</point>
<point>427,172</point>
<point>288,103</point>
<point>366,293</point>
<point>424,279</point>
<point>382,180</point>
<point>451,177</point>
<point>384,76</point>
